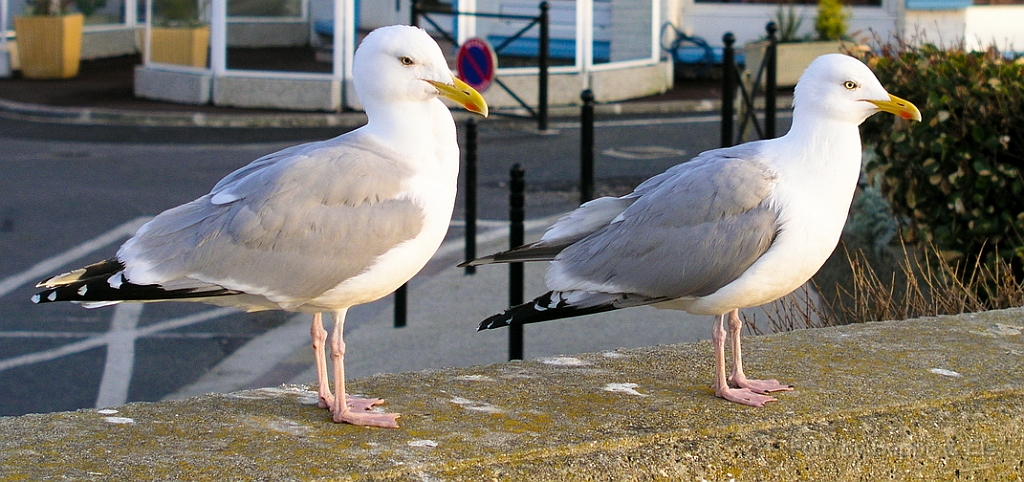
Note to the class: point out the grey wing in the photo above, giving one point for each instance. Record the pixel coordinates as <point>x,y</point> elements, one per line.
<point>692,230</point>
<point>288,230</point>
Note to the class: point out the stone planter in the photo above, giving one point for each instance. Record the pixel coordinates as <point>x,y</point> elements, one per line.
<point>49,47</point>
<point>793,58</point>
<point>180,45</point>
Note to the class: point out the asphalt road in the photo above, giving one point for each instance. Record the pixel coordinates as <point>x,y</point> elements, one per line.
<point>71,195</point>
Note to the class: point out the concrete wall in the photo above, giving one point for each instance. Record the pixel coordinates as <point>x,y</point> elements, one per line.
<point>179,86</point>
<point>929,399</point>
<point>284,92</point>
<point>97,44</point>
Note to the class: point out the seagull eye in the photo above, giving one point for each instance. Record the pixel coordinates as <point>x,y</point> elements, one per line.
<point>406,60</point>
<point>850,85</point>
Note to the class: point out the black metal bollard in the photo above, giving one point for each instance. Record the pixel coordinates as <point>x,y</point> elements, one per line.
<point>587,146</point>
<point>516,214</point>
<point>401,303</point>
<point>728,88</point>
<point>771,80</point>
<point>470,178</point>
<point>542,60</point>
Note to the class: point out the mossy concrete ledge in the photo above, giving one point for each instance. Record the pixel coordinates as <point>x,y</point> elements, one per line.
<point>927,399</point>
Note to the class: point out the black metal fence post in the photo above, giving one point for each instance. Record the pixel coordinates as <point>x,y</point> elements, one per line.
<point>587,146</point>
<point>516,214</point>
<point>728,88</point>
<point>470,178</point>
<point>415,14</point>
<point>401,305</point>
<point>771,82</point>
<point>542,81</point>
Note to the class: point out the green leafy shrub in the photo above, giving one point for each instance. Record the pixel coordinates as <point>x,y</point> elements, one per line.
<point>830,24</point>
<point>956,178</point>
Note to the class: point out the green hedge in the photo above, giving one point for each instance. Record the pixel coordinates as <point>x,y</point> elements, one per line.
<point>955,178</point>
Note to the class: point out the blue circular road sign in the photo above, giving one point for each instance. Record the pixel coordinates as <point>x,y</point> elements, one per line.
<point>476,63</point>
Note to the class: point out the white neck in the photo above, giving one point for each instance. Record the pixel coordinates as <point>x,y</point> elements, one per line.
<point>418,125</point>
<point>829,146</point>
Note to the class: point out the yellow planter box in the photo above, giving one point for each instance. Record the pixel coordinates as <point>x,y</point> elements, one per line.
<point>49,47</point>
<point>181,46</point>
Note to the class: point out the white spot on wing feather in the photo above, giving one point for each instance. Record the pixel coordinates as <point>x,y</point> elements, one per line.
<point>224,198</point>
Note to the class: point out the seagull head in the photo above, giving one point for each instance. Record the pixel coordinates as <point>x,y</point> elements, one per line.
<point>842,88</point>
<point>399,63</point>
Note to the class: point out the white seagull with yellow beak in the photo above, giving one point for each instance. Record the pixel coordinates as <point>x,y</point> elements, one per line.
<point>732,228</point>
<point>317,227</point>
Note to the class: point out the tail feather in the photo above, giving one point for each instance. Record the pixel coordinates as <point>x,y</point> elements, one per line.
<point>555,305</point>
<point>103,268</point>
<point>523,254</point>
<point>103,283</point>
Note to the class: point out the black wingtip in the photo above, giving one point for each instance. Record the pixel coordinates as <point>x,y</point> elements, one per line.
<point>104,288</point>
<point>497,321</point>
<point>546,307</point>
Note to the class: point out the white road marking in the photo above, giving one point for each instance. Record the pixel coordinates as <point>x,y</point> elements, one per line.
<point>53,264</point>
<point>117,372</point>
<point>97,341</point>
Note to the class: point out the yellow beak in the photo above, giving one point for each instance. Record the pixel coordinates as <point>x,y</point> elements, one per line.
<point>462,94</point>
<point>898,106</point>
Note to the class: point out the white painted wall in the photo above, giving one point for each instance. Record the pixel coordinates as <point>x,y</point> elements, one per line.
<point>1002,25</point>
<point>747,21</point>
<point>978,26</point>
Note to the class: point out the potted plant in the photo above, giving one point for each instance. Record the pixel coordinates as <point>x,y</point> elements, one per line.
<point>49,40</point>
<point>794,52</point>
<point>178,35</point>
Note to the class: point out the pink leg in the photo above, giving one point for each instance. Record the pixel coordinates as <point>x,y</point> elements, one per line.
<point>722,389</point>
<point>738,379</point>
<point>319,336</point>
<point>326,398</point>
<point>341,409</point>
